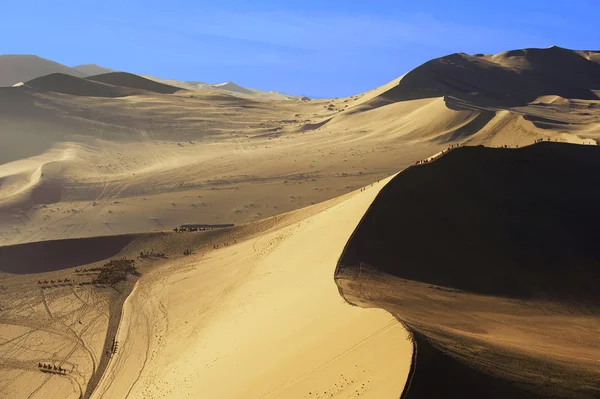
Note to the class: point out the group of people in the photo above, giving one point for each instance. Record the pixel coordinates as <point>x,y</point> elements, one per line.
<point>52,282</point>
<point>52,368</point>
<point>146,255</point>
<point>225,244</point>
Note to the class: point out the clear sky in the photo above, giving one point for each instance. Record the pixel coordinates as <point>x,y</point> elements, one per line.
<point>326,48</point>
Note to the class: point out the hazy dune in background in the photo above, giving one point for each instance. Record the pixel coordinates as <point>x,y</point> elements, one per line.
<point>106,166</point>
<point>15,68</point>
<point>230,88</point>
<point>91,69</point>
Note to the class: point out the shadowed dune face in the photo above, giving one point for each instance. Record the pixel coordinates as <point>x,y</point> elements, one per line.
<point>515,223</point>
<point>506,79</point>
<point>46,256</point>
<point>490,256</point>
<point>67,84</point>
<point>124,79</point>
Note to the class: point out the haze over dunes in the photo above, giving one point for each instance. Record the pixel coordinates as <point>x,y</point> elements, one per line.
<point>490,256</point>
<point>487,255</point>
<point>230,88</point>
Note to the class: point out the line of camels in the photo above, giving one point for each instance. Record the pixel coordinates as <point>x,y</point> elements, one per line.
<point>59,281</point>
<point>51,368</point>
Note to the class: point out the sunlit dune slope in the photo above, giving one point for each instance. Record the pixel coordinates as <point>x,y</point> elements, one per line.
<point>260,318</point>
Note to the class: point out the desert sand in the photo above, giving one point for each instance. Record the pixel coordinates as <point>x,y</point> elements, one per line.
<point>260,318</point>
<point>94,169</point>
<point>180,334</point>
<point>500,310</point>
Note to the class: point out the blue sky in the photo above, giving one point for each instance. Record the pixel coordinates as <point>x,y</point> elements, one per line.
<point>326,48</point>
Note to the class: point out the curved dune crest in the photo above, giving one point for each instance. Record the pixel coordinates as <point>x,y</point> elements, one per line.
<point>495,269</point>
<point>67,84</point>
<point>130,80</point>
<point>260,319</point>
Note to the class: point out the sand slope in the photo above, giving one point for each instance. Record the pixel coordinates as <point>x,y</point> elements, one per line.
<point>152,161</point>
<point>490,256</point>
<point>260,318</point>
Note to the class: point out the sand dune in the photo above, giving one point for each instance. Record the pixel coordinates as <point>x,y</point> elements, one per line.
<point>507,79</point>
<point>228,88</point>
<point>124,79</point>
<point>152,161</point>
<point>265,311</point>
<point>67,84</point>
<point>143,163</point>
<point>255,314</point>
<point>15,68</point>
<point>512,277</point>
<point>91,69</point>
<point>121,160</point>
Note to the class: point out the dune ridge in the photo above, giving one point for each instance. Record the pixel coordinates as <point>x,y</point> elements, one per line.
<point>130,80</point>
<point>15,68</point>
<point>205,144</point>
<point>479,302</point>
<point>67,84</point>
<point>238,285</point>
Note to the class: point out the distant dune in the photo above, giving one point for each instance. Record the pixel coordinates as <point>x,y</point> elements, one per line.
<point>230,86</point>
<point>91,69</point>
<point>67,84</point>
<point>491,257</point>
<point>507,79</point>
<point>133,81</point>
<point>15,68</point>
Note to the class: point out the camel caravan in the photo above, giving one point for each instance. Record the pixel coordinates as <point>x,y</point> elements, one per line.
<point>50,283</point>
<point>49,368</point>
<point>110,274</point>
<point>428,160</point>
<point>151,255</point>
<point>116,271</point>
<point>200,227</point>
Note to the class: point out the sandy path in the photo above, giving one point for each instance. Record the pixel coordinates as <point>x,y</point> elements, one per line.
<point>260,319</point>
